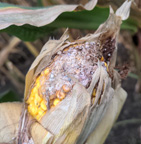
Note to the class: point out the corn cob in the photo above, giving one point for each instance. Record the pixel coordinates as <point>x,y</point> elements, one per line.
<point>54,82</point>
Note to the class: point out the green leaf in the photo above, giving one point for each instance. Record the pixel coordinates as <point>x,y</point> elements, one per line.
<point>83,19</point>
<point>8,96</point>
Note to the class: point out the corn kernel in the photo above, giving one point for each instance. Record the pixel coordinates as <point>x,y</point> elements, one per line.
<point>40,112</point>
<point>106,65</point>
<point>38,117</point>
<point>30,99</point>
<point>38,98</point>
<point>43,105</point>
<point>60,94</point>
<point>52,97</point>
<point>66,49</point>
<point>34,90</point>
<point>33,110</point>
<point>56,101</point>
<point>66,88</point>
<point>102,58</point>
<point>46,71</point>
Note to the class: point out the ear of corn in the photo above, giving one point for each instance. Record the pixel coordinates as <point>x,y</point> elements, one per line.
<point>84,62</point>
<point>39,101</point>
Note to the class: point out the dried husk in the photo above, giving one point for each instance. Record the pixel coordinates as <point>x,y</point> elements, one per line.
<point>75,120</point>
<point>9,120</point>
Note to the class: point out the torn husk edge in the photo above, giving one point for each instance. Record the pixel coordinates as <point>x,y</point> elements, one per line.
<point>63,132</point>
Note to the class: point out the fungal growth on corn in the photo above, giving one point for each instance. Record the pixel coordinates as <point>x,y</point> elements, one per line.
<point>55,81</point>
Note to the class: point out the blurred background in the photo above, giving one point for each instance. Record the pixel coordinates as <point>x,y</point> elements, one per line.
<point>16,56</point>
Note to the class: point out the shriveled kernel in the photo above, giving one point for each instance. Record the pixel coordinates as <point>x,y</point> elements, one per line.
<point>60,94</point>
<point>43,105</point>
<point>66,88</point>
<point>52,96</point>
<point>66,49</point>
<point>56,101</point>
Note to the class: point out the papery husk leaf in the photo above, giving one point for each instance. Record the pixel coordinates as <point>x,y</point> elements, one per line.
<point>135,10</point>
<point>9,120</point>
<point>124,10</point>
<point>102,130</point>
<point>40,134</point>
<point>97,111</point>
<point>63,121</point>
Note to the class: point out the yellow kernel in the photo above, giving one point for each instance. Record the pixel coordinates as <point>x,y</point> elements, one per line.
<point>34,90</point>
<point>38,98</point>
<point>38,85</point>
<point>30,99</point>
<point>38,117</point>
<point>36,102</point>
<point>46,71</point>
<point>102,58</point>
<point>106,66</point>
<point>94,92</point>
<point>37,79</point>
<point>43,105</point>
<point>33,110</point>
<point>40,111</point>
<point>66,88</point>
<point>56,101</point>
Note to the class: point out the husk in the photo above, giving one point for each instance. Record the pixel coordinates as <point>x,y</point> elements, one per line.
<point>9,120</point>
<point>114,107</point>
<point>74,120</point>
